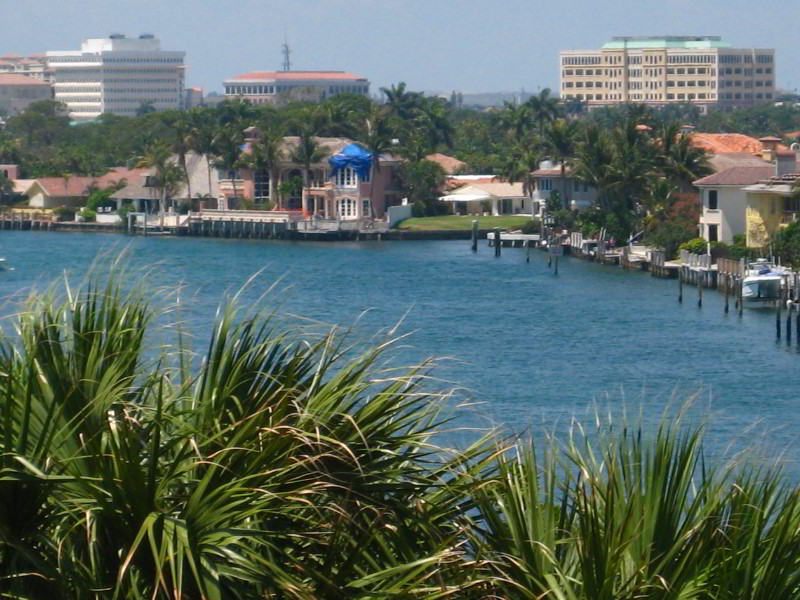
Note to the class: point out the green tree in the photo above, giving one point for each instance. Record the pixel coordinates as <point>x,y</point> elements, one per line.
<point>544,109</point>
<point>266,154</point>
<point>375,134</point>
<point>401,102</point>
<point>308,152</point>
<point>228,151</point>
<point>166,176</point>
<point>421,182</point>
<point>145,108</point>
<point>560,139</point>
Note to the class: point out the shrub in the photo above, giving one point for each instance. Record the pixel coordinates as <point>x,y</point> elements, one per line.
<point>64,213</point>
<point>88,214</point>
<point>532,227</point>
<point>418,209</point>
<point>696,245</point>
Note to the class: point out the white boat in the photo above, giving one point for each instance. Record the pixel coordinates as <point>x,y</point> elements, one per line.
<point>761,286</point>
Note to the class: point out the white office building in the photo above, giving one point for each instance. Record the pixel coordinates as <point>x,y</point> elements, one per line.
<point>117,75</point>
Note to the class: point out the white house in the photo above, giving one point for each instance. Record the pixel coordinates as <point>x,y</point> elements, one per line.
<point>547,178</point>
<point>504,198</point>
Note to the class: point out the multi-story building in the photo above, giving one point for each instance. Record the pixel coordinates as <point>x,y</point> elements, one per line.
<point>117,75</point>
<point>34,65</point>
<point>283,86</point>
<point>17,92</point>
<point>675,69</point>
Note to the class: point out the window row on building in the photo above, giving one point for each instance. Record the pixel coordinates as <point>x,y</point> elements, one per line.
<point>142,91</point>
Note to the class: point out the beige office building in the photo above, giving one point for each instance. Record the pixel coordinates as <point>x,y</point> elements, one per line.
<point>676,69</point>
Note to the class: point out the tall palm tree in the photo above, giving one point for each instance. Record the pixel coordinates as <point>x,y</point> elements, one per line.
<point>228,146</point>
<point>544,109</point>
<point>516,120</point>
<point>634,162</point>
<point>593,160</point>
<point>560,139</point>
<point>435,119</point>
<point>166,175</point>
<point>308,152</point>
<point>181,146</point>
<point>686,163</point>
<point>267,153</point>
<point>376,135</point>
<point>401,102</point>
<point>202,134</point>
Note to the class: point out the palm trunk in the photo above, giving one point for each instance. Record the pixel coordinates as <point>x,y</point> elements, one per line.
<point>307,187</point>
<point>208,165</point>
<point>276,202</point>
<point>564,185</point>
<point>235,193</point>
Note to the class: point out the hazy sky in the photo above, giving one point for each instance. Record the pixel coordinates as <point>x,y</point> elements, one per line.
<point>442,45</point>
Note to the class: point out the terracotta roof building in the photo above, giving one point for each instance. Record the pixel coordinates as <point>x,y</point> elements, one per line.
<point>72,191</point>
<point>279,87</point>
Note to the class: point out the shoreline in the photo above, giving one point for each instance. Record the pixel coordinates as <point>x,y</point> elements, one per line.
<point>391,235</point>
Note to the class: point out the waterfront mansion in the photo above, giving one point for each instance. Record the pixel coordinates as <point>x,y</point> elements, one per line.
<point>343,184</point>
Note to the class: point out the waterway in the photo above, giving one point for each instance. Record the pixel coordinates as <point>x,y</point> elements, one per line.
<point>533,348</point>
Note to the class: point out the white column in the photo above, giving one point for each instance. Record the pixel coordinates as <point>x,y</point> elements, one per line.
<point>495,207</point>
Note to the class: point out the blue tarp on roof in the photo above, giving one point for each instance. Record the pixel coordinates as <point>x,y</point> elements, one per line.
<point>353,156</point>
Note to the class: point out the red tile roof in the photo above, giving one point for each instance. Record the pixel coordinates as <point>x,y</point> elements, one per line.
<point>738,176</point>
<point>298,75</point>
<point>16,79</point>
<point>727,143</point>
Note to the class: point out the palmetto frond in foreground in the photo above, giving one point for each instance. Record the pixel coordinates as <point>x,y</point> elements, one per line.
<point>284,467</point>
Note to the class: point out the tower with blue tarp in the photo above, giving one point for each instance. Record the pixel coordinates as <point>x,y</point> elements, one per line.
<point>354,156</point>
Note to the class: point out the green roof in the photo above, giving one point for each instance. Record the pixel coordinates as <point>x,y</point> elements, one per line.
<point>638,43</point>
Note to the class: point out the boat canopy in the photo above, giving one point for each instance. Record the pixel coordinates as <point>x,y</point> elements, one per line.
<point>354,156</point>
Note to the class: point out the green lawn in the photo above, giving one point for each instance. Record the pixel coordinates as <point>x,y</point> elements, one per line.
<point>451,222</point>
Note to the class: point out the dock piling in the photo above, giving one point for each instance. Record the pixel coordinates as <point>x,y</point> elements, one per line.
<point>475,235</point>
<point>528,251</point>
<point>778,320</point>
<point>680,284</point>
<point>497,244</point>
<point>725,282</point>
<point>699,293</point>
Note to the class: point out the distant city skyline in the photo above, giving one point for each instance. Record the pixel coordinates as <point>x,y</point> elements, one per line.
<point>469,46</point>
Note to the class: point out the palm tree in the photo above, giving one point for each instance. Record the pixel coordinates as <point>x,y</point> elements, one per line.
<point>560,139</point>
<point>593,160</point>
<point>166,176</point>
<point>376,136</point>
<point>634,162</point>
<point>434,118</point>
<point>516,119</point>
<point>544,109</point>
<point>228,145</point>
<point>307,152</point>
<point>202,134</point>
<point>402,103</point>
<point>267,153</point>
<point>685,163</point>
<point>182,142</point>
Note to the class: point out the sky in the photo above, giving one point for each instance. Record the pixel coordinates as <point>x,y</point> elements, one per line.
<point>432,45</point>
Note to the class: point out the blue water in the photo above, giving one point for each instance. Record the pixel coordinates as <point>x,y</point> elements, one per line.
<point>534,349</point>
